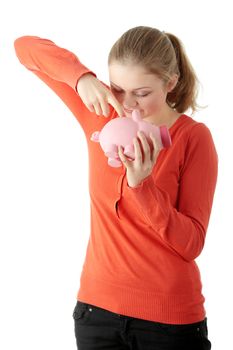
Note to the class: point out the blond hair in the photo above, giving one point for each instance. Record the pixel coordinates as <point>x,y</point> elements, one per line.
<point>162,54</point>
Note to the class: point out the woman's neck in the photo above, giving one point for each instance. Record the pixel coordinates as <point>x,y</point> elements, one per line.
<point>168,118</point>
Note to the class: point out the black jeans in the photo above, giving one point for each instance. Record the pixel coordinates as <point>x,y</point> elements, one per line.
<point>100,329</point>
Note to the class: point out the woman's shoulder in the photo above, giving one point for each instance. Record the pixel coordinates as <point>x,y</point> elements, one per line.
<point>189,133</point>
<point>188,125</point>
<point>196,136</point>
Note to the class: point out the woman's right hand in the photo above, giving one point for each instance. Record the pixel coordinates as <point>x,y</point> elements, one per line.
<point>96,96</point>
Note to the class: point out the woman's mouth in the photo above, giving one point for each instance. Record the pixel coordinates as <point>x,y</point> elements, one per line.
<point>129,111</point>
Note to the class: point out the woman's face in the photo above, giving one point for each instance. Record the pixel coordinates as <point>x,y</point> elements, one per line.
<point>135,88</point>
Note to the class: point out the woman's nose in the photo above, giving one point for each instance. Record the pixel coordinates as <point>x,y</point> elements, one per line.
<point>129,102</point>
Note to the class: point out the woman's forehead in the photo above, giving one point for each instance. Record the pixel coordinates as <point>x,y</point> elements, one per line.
<point>131,77</point>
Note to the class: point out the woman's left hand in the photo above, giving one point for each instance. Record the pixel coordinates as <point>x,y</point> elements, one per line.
<point>142,166</point>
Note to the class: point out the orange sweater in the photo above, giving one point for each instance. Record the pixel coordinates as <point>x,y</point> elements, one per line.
<point>140,258</point>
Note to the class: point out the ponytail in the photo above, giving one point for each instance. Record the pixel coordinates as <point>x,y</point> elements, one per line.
<point>184,95</point>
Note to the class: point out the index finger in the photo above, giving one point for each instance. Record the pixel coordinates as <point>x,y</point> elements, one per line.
<point>116,105</point>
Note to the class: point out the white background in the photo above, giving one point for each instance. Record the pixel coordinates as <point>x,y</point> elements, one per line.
<point>44,200</point>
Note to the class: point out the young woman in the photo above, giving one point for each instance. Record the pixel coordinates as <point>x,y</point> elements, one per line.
<point>140,286</point>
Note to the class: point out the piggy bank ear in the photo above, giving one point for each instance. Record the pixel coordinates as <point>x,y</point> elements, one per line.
<point>136,116</point>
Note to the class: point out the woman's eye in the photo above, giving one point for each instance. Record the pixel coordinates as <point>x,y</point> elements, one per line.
<point>122,91</point>
<point>143,95</point>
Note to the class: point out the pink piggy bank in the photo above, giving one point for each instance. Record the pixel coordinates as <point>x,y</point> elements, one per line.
<point>122,130</point>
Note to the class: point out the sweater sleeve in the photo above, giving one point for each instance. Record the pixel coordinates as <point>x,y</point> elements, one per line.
<point>183,228</point>
<point>59,68</point>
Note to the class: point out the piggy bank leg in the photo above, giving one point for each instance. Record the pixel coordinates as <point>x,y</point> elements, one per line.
<point>113,162</point>
<point>111,151</point>
<point>129,151</point>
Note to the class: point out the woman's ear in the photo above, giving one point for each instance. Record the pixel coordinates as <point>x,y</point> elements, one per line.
<point>172,83</point>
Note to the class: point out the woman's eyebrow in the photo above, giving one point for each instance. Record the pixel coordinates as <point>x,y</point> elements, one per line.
<point>143,87</point>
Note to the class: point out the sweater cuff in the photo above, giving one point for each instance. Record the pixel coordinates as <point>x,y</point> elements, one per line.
<point>139,187</point>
